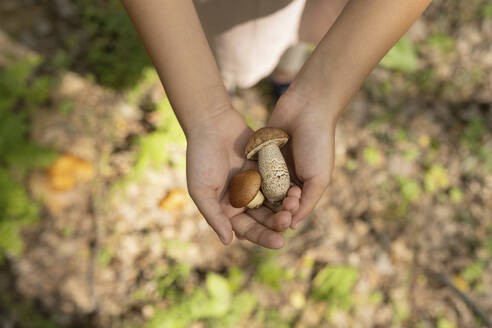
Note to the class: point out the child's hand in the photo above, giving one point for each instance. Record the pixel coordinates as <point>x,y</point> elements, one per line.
<point>310,151</point>
<point>215,153</point>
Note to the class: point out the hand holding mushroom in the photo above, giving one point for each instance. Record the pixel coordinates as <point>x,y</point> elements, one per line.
<point>265,146</point>
<point>273,175</point>
<point>215,149</point>
<point>310,152</point>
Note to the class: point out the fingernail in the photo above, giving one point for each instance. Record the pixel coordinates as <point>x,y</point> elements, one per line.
<point>294,226</point>
<point>222,239</point>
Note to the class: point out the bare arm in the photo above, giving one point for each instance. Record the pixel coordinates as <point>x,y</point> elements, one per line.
<point>364,31</point>
<point>359,38</point>
<point>215,132</point>
<point>174,39</point>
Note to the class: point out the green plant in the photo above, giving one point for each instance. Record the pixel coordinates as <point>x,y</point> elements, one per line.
<point>114,54</point>
<point>436,178</point>
<point>334,284</point>
<point>156,148</point>
<point>456,195</point>
<point>171,280</point>
<point>104,256</point>
<point>271,273</point>
<point>272,318</point>
<point>149,77</point>
<point>445,323</point>
<point>24,314</point>
<point>215,304</point>
<point>402,57</point>
<point>372,156</point>
<point>486,10</point>
<point>473,133</point>
<point>441,41</point>
<point>473,139</point>
<point>21,91</point>
<point>474,272</point>
<point>410,189</point>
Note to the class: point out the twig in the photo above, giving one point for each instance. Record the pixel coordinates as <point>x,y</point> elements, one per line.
<point>468,301</point>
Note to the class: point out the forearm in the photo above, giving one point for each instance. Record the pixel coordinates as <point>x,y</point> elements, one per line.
<point>362,34</point>
<point>174,39</point>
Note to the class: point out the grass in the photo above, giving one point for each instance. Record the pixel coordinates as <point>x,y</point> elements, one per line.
<point>158,148</point>
<point>219,302</point>
<point>270,272</point>
<point>442,42</point>
<point>155,148</point>
<point>21,91</point>
<point>333,284</point>
<point>115,57</point>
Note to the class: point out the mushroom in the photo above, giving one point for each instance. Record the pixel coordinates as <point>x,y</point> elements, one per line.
<point>245,190</point>
<point>265,146</point>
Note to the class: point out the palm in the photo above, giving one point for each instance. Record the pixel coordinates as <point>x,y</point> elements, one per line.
<point>309,153</point>
<point>214,155</point>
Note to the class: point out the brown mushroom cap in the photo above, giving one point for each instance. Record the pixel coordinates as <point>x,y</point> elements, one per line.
<point>263,137</point>
<point>244,187</point>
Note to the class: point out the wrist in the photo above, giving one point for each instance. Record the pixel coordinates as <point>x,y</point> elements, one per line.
<point>295,108</point>
<point>198,108</point>
<point>208,120</point>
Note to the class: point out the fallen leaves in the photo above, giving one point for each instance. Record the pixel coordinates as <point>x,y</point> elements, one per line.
<point>174,200</point>
<point>68,171</point>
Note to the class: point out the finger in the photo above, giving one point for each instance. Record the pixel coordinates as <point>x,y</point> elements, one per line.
<point>238,236</point>
<point>294,191</point>
<point>208,204</point>
<point>291,204</point>
<point>311,193</point>
<point>246,226</point>
<point>275,221</point>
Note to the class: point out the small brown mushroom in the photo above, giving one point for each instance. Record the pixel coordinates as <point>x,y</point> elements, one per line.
<point>245,190</point>
<point>265,146</point>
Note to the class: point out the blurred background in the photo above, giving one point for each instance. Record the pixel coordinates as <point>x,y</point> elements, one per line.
<point>97,228</point>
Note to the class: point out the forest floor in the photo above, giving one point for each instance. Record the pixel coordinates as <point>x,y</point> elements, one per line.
<point>401,238</point>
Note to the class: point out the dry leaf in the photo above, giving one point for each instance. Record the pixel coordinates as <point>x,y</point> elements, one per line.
<point>461,283</point>
<point>68,170</point>
<point>174,200</point>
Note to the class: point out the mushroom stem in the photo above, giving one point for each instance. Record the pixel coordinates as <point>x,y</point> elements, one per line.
<point>274,173</point>
<point>257,201</point>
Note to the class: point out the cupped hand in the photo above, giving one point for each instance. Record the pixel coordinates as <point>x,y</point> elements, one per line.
<point>310,152</point>
<point>215,153</point>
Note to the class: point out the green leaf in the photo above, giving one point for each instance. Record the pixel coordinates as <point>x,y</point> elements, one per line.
<point>271,273</point>
<point>472,135</point>
<point>456,195</point>
<point>402,57</point>
<point>334,284</point>
<point>373,156</point>
<point>441,41</point>
<point>436,178</point>
<point>410,189</point>
<point>474,271</point>
<point>218,287</point>
<point>445,323</point>
<point>236,278</point>
<point>242,306</point>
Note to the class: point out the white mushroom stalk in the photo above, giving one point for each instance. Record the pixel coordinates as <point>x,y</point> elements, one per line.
<point>257,201</point>
<point>273,170</point>
<point>265,145</point>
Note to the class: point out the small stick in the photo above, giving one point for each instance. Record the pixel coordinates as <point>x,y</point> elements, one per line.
<point>467,300</point>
